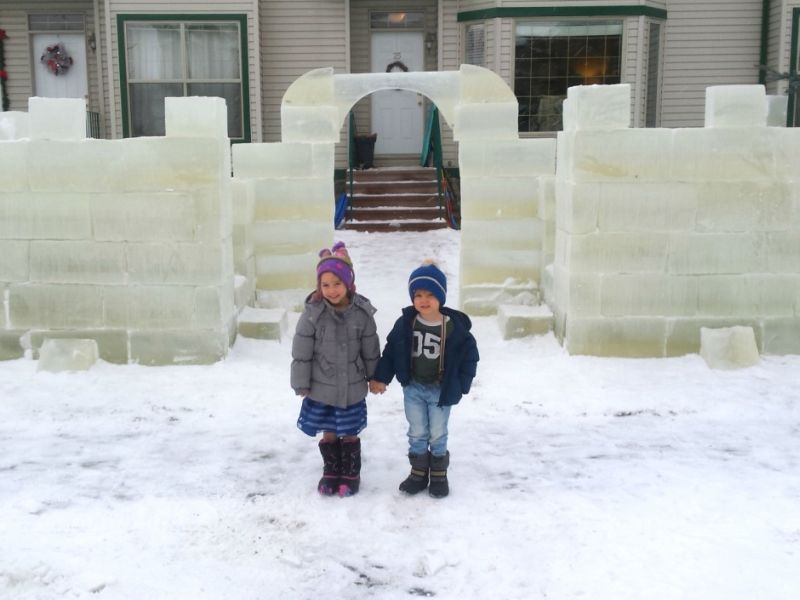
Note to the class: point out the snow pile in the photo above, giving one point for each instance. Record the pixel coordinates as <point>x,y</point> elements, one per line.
<point>571,477</point>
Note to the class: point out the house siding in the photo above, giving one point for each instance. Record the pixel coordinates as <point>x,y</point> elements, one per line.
<point>297,36</point>
<point>451,53</point>
<point>716,42</point>
<point>775,60</point>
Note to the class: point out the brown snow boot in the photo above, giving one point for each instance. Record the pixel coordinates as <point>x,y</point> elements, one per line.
<point>332,467</point>
<point>350,477</point>
<point>439,487</point>
<point>418,478</point>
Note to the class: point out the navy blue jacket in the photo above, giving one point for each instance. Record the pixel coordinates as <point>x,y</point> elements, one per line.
<point>460,355</point>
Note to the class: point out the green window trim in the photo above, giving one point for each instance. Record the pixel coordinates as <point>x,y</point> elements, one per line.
<point>122,19</point>
<point>791,107</point>
<point>563,11</point>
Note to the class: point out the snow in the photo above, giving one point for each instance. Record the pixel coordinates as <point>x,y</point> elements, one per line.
<point>571,477</point>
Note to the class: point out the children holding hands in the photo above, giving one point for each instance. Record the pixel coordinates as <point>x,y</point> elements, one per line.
<point>336,352</point>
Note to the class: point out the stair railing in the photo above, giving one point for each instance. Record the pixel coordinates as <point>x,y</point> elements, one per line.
<point>447,195</point>
<point>351,160</point>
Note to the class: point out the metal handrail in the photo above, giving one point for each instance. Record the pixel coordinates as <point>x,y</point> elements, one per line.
<point>351,156</point>
<point>92,124</point>
<point>432,153</point>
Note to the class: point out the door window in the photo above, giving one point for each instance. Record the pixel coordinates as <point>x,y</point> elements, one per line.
<point>396,20</point>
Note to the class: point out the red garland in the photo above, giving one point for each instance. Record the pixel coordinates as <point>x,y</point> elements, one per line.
<point>3,35</point>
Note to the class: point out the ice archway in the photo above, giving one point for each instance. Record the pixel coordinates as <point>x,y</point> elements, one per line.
<point>503,178</point>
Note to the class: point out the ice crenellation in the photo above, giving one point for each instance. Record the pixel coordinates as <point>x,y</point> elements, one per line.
<point>635,238</point>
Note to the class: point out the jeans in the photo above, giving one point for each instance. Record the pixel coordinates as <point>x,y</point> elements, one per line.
<point>427,422</point>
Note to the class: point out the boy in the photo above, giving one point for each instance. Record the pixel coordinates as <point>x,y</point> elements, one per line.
<point>434,356</point>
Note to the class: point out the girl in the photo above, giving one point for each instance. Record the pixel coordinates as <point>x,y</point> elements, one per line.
<point>334,352</point>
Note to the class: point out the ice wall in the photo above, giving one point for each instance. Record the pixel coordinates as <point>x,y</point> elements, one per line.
<point>661,232</point>
<point>127,242</point>
<point>290,186</point>
<point>506,191</point>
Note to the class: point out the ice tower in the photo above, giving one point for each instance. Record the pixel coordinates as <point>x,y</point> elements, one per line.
<point>126,242</point>
<point>661,232</point>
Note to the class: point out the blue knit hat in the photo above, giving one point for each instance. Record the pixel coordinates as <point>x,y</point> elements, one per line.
<point>428,277</point>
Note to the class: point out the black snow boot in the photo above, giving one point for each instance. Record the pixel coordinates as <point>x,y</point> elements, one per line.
<point>418,478</point>
<point>332,467</point>
<point>439,487</point>
<point>350,478</point>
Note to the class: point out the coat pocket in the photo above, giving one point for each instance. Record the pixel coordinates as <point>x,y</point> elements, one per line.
<point>358,371</point>
<point>325,367</point>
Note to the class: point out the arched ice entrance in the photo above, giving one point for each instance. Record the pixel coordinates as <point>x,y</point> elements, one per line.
<point>505,181</point>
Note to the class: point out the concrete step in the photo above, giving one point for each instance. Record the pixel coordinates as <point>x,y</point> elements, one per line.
<point>394,200</point>
<point>395,174</point>
<point>394,187</point>
<point>386,226</point>
<point>393,213</point>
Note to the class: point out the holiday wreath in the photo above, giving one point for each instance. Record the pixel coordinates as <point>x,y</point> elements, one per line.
<point>56,59</point>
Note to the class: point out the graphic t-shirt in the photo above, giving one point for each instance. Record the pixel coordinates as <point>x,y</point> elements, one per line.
<point>426,344</point>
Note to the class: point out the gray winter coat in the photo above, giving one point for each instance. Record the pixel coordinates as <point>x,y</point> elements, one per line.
<point>335,352</point>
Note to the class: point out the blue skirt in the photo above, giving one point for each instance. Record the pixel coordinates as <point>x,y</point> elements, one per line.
<point>315,417</point>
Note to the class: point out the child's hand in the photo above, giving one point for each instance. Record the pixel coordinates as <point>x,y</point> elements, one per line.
<point>302,392</point>
<point>376,387</point>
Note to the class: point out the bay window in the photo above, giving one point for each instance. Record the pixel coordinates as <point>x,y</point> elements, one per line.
<point>553,56</point>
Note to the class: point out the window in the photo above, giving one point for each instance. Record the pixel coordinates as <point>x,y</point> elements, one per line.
<point>651,106</point>
<point>397,20</point>
<point>48,22</point>
<point>475,45</point>
<point>168,58</point>
<point>550,57</point>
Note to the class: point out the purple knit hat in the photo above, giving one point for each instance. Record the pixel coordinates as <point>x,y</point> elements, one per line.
<point>337,261</point>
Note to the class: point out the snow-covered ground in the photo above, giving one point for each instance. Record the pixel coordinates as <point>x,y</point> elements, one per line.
<point>571,477</point>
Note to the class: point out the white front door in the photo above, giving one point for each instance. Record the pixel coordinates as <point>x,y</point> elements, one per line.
<point>71,83</point>
<point>397,114</point>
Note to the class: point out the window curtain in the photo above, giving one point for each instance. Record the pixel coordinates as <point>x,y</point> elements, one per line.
<point>154,52</point>
<point>213,51</point>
